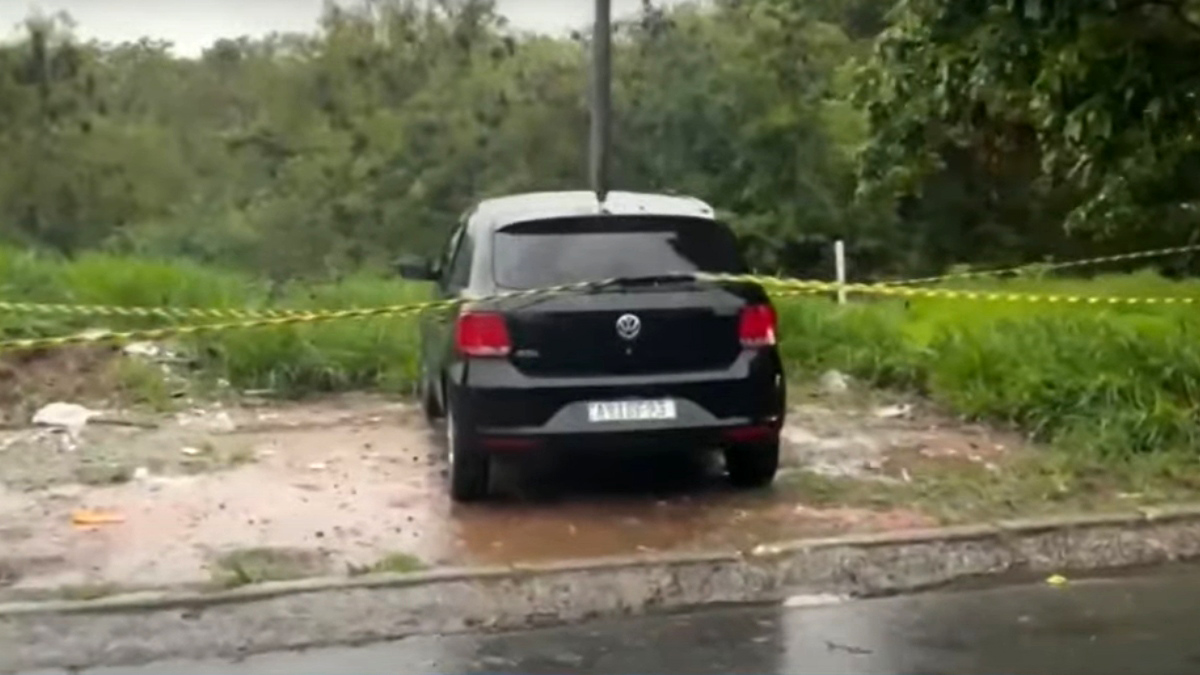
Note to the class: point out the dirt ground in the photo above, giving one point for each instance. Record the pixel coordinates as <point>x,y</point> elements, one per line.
<point>240,493</point>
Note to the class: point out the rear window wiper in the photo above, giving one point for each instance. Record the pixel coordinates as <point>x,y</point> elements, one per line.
<point>648,280</point>
<point>619,282</point>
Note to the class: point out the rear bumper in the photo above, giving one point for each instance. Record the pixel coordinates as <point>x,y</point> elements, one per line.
<point>508,408</point>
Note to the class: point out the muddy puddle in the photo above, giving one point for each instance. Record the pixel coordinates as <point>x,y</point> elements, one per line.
<point>355,481</point>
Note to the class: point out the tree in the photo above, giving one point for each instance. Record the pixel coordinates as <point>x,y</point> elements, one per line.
<point>1086,110</point>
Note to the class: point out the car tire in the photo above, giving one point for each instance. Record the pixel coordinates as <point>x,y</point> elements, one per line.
<point>470,467</point>
<point>752,465</point>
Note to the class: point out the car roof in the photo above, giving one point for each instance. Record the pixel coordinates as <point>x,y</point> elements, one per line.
<point>501,211</point>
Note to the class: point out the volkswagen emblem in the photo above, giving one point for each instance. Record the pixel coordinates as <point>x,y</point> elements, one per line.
<point>628,326</point>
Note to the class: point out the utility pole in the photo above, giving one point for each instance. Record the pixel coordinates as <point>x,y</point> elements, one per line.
<point>601,132</point>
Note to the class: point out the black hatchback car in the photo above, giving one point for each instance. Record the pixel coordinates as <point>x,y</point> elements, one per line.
<point>655,359</point>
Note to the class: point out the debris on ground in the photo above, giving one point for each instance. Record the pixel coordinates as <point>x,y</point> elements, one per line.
<point>90,518</point>
<point>834,382</point>
<point>204,420</point>
<point>814,600</point>
<point>152,351</point>
<point>894,411</point>
<point>70,416</point>
<point>147,350</point>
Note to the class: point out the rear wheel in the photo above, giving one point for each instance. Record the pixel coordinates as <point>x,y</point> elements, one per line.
<point>469,465</point>
<point>752,465</point>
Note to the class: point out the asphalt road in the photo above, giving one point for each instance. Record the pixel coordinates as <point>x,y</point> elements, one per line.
<point>1144,624</point>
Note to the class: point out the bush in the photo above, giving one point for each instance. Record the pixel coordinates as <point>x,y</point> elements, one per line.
<point>1108,380</point>
<point>297,359</point>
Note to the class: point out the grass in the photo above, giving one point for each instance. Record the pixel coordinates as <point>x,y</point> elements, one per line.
<point>142,384</point>
<point>1113,382</point>
<point>256,565</point>
<point>392,563</point>
<point>292,360</point>
<point>1104,382</point>
<point>241,567</point>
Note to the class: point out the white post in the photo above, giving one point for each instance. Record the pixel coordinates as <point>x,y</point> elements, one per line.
<point>839,260</point>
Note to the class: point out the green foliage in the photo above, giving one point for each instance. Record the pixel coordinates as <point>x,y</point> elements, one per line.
<point>1036,111</point>
<point>337,356</point>
<point>319,155</point>
<point>927,134</point>
<point>1109,382</point>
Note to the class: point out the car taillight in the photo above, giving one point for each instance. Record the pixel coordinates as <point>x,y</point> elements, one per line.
<point>756,328</point>
<point>482,334</point>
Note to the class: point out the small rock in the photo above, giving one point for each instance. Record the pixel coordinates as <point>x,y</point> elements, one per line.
<point>318,466</point>
<point>190,451</point>
<point>141,473</point>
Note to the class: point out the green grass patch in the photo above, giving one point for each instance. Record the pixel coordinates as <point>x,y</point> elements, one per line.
<point>392,563</point>
<point>257,565</point>
<point>377,353</point>
<point>1111,381</point>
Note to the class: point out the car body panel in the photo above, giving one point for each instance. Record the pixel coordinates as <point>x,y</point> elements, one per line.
<point>567,350</point>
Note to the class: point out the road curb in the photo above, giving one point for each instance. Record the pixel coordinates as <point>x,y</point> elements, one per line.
<point>146,626</point>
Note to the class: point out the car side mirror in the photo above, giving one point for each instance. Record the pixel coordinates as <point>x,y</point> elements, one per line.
<point>416,268</point>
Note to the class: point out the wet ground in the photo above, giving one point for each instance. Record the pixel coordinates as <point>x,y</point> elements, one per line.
<point>338,485</point>
<point>1145,625</point>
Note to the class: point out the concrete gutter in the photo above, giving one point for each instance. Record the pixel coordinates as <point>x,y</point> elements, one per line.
<point>141,627</point>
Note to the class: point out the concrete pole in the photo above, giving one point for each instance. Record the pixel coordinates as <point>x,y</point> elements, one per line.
<point>839,261</point>
<point>601,131</point>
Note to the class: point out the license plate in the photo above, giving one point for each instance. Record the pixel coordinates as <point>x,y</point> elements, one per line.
<point>631,411</point>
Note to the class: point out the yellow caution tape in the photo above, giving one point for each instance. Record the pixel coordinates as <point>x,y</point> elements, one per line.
<point>979,274</point>
<point>143,312</point>
<point>798,286</point>
<point>787,286</point>
<point>100,337</point>
<point>230,313</point>
<point>290,318</point>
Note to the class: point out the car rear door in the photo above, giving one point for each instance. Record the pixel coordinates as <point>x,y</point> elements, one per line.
<point>437,328</point>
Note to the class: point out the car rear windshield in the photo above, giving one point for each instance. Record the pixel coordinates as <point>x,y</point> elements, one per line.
<point>552,252</point>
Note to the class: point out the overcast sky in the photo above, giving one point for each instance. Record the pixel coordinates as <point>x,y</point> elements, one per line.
<point>194,24</point>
